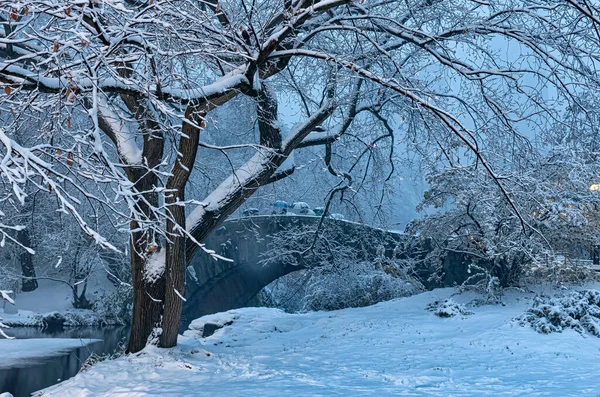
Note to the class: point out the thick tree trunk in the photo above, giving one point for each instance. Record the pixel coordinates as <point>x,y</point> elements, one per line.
<point>148,298</point>
<point>148,295</point>
<point>29,282</point>
<point>80,301</point>
<point>174,278</point>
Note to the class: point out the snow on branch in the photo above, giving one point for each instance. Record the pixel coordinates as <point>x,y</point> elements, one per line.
<point>21,165</point>
<point>256,172</point>
<point>226,191</point>
<point>233,80</point>
<point>34,80</point>
<point>298,134</point>
<point>118,130</point>
<point>155,266</point>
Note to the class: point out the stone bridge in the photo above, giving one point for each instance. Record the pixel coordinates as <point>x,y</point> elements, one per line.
<point>264,248</point>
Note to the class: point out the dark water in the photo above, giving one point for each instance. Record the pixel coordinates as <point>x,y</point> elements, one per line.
<point>34,374</point>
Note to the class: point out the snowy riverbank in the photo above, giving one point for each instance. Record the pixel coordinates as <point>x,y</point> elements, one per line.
<point>393,348</point>
<point>28,365</point>
<point>51,305</point>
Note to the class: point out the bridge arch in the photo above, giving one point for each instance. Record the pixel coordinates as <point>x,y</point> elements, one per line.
<point>217,285</point>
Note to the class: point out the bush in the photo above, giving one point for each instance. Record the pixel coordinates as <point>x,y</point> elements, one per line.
<point>448,308</point>
<point>354,284</point>
<point>97,358</point>
<point>558,272</point>
<point>117,306</point>
<point>580,310</point>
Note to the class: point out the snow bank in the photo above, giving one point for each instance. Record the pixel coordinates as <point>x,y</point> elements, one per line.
<point>392,348</point>
<point>254,320</point>
<point>53,299</point>
<point>207,325</point>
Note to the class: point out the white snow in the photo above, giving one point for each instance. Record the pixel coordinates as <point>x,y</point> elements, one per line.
<point>50,296</point>
<point>155,266</point>
<point>128,148</point>
<point>393,348</point>
<point>227,82</point>
<point>22,318</point>
<point>251,169</point>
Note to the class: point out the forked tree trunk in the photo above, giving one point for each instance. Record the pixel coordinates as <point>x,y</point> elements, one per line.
<point>161,303</point>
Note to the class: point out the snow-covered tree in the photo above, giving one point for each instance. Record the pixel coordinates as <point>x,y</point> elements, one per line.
<point>557,205</point>
<point>124,90</point>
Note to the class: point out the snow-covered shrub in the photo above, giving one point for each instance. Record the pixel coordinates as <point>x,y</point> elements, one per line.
<point>448,308</point>
<point>353,284</point>
<point>342,266</point>
<point>579,310</point>
<point>558,270</point>
<point>97,358</point>
<point>479,231</point>
<point>360,284</point>
<point>116,307</point>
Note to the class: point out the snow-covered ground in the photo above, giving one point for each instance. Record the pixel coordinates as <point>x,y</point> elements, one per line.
<point>49,296</point>
<point>393,348</point>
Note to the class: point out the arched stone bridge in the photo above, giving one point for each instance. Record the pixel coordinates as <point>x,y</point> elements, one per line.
<point>264,248</point>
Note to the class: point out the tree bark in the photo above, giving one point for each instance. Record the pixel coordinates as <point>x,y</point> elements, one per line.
<point>174,277</point>
<point>175,260</point>
<point>29,281</point>
<point>148,296</point>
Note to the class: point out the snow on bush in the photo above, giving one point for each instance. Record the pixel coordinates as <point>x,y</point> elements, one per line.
<point>351,284</point>
<point>115,308</point>
<point>358,285</point>
<point>579,310</point>
<point>559,270</point>
<point>54,320</point>
<point>448,308</point>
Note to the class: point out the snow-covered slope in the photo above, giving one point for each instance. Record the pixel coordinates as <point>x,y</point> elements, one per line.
<point>393,348</point>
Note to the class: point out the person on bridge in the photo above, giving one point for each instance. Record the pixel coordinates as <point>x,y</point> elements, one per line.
<point>280,208</point>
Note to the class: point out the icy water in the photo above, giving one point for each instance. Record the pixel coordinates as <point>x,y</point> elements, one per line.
<point>39,358</point>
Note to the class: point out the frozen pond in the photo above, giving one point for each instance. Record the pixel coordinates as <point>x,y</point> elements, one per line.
<point>40,358</point>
